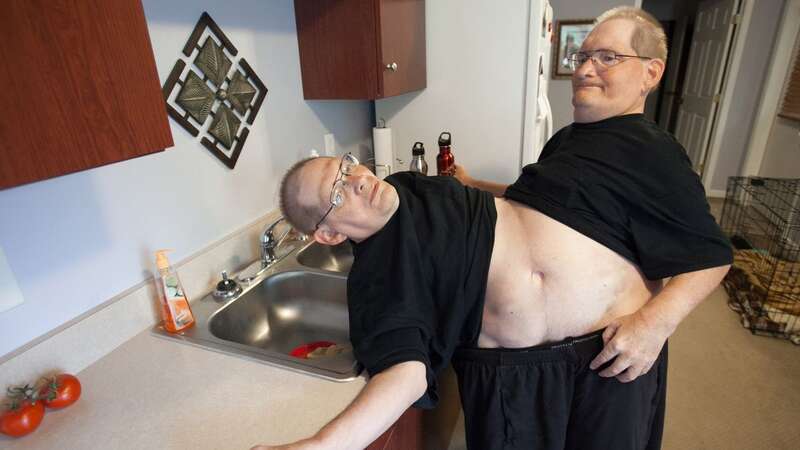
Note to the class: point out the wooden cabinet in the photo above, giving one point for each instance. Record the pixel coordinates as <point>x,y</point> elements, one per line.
<point>405,434</point>
<point>80,88</point>
<point>360,49</point>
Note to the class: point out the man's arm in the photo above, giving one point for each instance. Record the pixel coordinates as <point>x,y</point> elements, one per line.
<point>636,339</point>
<point>496,189</point>
<point>382,401</point>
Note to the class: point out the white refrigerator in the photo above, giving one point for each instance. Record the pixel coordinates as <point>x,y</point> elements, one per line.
<point>488,64</point>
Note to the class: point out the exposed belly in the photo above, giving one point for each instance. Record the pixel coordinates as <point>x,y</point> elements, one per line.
<point>548,282</point>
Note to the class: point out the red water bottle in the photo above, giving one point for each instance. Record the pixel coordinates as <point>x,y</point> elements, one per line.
<point>445,162</point>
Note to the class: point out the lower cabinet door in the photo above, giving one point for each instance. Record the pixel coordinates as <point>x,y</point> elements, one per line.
<point>405,434</point>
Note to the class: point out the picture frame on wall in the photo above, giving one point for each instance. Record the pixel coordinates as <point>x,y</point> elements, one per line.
<point>568,39</point>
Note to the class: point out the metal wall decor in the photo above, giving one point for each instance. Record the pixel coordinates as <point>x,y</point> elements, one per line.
<point>209,90</point>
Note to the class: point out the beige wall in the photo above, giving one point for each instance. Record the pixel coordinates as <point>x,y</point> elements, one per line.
<point>782,155</point>
<point>747,92</point>
<point>782,158</point>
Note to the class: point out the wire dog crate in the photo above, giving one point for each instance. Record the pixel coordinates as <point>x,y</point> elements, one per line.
<point>761,216</point>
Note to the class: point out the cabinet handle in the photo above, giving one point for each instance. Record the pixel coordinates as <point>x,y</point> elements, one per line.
<point>392,67</point>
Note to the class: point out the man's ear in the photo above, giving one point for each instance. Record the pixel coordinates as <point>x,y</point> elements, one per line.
<point>327,236</point>
<point>654,71</point>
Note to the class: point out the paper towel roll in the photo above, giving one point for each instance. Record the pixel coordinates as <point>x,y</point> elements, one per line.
<point>382,144</point>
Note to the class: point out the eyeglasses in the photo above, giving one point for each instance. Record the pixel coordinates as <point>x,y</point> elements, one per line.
<point>346,167</point>
<point>602,59</point>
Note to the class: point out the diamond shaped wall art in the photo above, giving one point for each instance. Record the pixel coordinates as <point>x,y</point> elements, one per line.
<point>226,94</point>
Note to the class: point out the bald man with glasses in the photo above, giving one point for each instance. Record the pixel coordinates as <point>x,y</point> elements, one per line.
<point>554,298</point>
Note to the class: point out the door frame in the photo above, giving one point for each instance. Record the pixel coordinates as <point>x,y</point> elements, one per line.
<point>726,102</point>
<point>780,62</point>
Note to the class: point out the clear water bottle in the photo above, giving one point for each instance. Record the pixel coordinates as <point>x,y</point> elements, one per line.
<point>418,163</point>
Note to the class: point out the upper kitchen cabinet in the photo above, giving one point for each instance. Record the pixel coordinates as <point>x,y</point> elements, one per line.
<point>360,49</point>
<point>80,88</point>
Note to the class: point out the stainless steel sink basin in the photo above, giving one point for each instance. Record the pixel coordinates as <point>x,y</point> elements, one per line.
<point>289,305</point>
<point>333,258</point>
<point>288,310</point>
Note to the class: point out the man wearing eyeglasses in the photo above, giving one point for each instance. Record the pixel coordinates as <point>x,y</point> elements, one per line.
<point>550,299</point>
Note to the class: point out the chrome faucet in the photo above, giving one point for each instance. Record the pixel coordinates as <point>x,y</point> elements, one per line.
<point>269,243</point>
<point>269,251</point>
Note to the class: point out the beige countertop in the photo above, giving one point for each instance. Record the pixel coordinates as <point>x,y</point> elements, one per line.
<point>153,393</point>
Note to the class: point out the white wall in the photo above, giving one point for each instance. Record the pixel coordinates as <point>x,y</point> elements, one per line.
<point>75,241</point>
<point>476,55</point>
<point>560,91</point>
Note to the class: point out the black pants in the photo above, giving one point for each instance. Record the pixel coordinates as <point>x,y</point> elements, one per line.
<point>546,397</point>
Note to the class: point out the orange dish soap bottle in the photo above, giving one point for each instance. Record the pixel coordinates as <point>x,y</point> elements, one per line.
<point>174,305</point>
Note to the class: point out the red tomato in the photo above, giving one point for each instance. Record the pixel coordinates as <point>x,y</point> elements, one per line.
<point>60,391</point>
<point>22,419</point>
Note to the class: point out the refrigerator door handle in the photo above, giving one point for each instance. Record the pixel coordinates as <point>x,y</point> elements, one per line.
<point>548,123</point>
<point>541,113</point>
<point>545,113</point>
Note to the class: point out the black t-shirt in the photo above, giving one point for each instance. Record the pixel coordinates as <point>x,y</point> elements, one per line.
<point>416,289</point>
<point>628,185</point>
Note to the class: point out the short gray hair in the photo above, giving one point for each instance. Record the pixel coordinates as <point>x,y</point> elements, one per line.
<point>648,39</point>
<point>302,217</point>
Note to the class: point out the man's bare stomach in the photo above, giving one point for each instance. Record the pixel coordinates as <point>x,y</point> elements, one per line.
<point>548,282</point>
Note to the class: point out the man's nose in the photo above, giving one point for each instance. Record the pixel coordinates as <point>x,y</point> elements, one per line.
<point>359,183</point>
<point>586,69</point>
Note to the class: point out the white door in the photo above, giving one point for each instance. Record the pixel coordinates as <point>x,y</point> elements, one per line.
<point>708,58</point>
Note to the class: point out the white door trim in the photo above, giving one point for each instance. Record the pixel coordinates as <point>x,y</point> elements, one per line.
<point>729,83</point>
<point>782,54</point>
<point>715,193</point>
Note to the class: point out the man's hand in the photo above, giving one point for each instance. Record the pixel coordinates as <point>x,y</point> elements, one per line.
<point>462,175</point>
<point>636,344</point>
<point>636,339</point>
<point>495,189</point>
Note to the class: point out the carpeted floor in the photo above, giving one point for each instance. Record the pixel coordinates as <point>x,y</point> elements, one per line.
<point>729,389</point>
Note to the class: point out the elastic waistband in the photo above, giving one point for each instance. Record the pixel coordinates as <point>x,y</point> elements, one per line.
<point>571,348</point>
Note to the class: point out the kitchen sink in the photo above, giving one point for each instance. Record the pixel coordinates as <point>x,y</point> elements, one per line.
<point>333,258</point>
<point>298,300</point>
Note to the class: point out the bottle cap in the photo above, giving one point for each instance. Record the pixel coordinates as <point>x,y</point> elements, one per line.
<point>161,259</point>
<point>418,149</point>
<point>444,140</point>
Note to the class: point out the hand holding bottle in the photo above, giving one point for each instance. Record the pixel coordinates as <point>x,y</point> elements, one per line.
<point>461,175</point>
